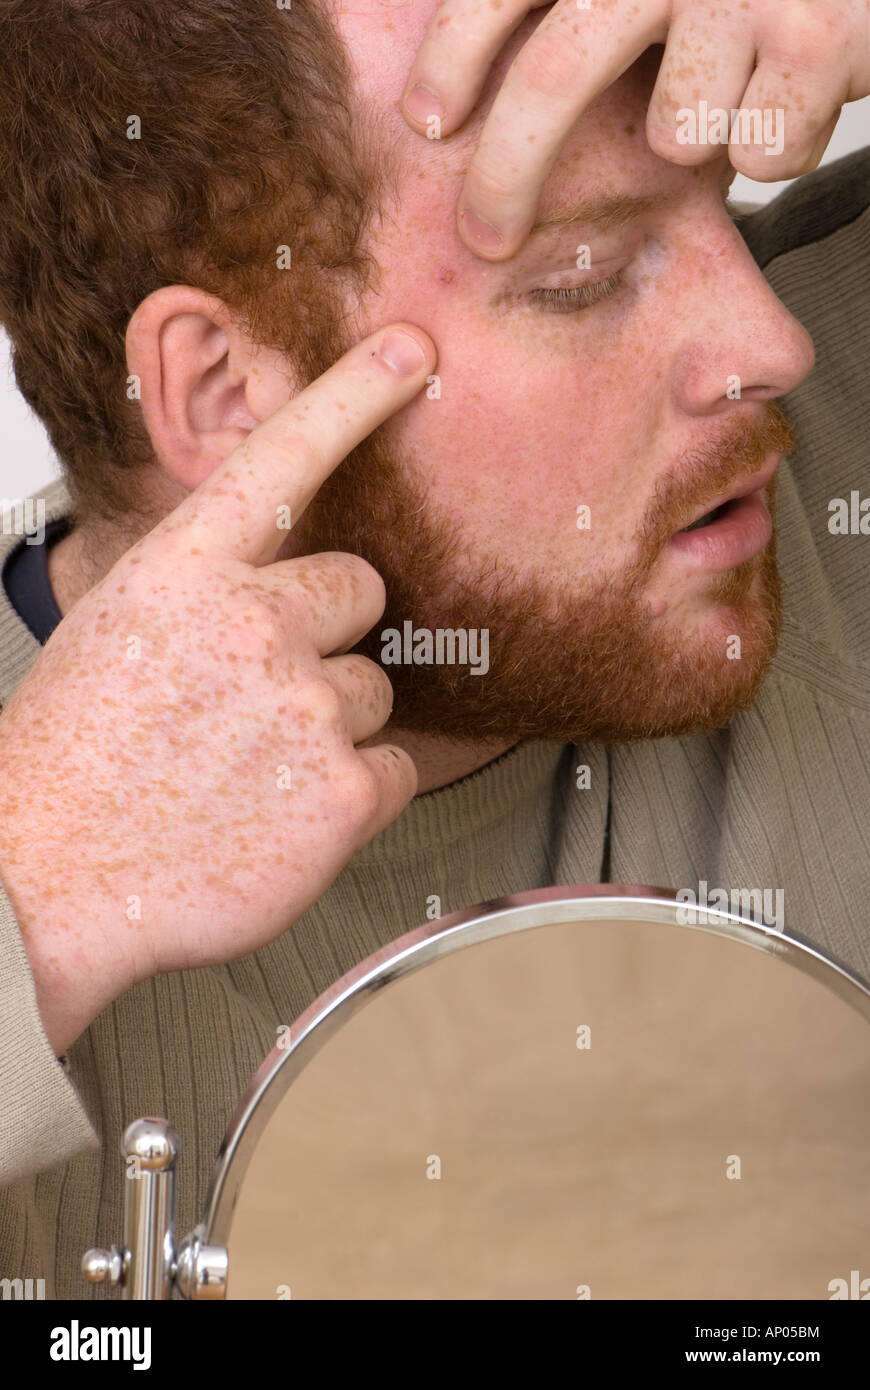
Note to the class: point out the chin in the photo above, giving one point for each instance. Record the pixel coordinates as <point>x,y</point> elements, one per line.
<point>721,654</point>
<point>596,669</point>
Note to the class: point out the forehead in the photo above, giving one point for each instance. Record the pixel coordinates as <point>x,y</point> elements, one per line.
<point>605,152</point>
<point>383,36</point>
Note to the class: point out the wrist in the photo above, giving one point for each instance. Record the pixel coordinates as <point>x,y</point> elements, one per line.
<point>73,979</point>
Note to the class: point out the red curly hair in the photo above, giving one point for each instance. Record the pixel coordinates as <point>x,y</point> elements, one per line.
<point>251,138</point>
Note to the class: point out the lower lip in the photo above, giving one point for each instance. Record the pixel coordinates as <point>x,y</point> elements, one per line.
<point>742,532</point>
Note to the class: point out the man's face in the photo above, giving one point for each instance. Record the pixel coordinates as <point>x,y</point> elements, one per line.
<point>610,387</point>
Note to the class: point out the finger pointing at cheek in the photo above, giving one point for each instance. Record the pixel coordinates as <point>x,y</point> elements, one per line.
<point>283,462</point>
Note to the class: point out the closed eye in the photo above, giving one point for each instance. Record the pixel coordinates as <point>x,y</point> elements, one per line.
<point>570,300</point>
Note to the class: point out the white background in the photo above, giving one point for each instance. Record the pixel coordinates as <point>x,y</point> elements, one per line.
<point>27,462</point>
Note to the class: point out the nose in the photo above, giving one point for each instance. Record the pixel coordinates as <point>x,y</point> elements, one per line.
<point>736,341</point>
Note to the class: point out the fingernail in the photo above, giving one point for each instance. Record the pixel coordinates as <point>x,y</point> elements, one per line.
<point>421,103</point>
<point>486,237</point>
<point>403,353</point>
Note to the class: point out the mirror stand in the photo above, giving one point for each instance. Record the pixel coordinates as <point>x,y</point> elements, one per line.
<point>146,1266</point>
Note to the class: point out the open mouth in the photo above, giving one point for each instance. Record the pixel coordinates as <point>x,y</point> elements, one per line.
<point>708,518</point>
<point>727,535</point>
<point>732,531</point>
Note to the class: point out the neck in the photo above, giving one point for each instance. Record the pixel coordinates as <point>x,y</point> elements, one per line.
<point>68,571</point>
<point>72,573</point>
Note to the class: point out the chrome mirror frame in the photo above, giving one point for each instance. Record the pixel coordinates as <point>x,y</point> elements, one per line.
<point>199,1270</point>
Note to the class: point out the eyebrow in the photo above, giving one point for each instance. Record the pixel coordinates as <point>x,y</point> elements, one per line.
<point>603,213</point>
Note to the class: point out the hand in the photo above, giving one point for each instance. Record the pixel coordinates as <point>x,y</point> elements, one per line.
<point>180,777</point>
<point>806,59</point>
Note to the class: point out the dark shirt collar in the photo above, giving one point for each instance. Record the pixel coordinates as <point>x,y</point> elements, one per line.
<point>25,579</point>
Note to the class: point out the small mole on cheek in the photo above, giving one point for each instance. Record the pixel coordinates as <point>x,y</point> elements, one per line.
<point>447,276</point>
<point>630,129</point>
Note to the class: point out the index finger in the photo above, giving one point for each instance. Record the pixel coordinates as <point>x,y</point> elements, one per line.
<point>451,65</point>
<point>240,510</point>
<point>574,54</point>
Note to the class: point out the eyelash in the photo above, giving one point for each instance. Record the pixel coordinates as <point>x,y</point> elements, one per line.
<point>571,301</point>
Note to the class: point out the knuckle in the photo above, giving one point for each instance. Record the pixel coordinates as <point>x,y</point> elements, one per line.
<point>362,790</point>
<point>809,40</point>
<point>257,627</point>
<point>153,554</point>
<point>823,32</point>
<point>548,64</point>
<point>324,703</point>
<point>297,604</point>
<point>171,542</point>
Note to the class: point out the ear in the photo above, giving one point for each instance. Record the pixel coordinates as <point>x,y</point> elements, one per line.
<point>203,384</point>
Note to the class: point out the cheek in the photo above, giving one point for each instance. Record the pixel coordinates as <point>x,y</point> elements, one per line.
<point>525,427</point>
<point>532,414</point>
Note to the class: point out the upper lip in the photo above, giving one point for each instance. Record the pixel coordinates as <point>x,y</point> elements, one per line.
<point>750,484</point>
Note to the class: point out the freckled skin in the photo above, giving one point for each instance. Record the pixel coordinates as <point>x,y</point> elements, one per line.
<point>173,759</point>
<point>540,411</point>
<point>170,762</point>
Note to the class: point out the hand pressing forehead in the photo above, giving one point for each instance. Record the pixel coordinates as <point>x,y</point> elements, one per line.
<point>799,61</point>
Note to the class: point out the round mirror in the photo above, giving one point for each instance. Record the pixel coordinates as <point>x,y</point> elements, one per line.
<point>571,1093</point>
